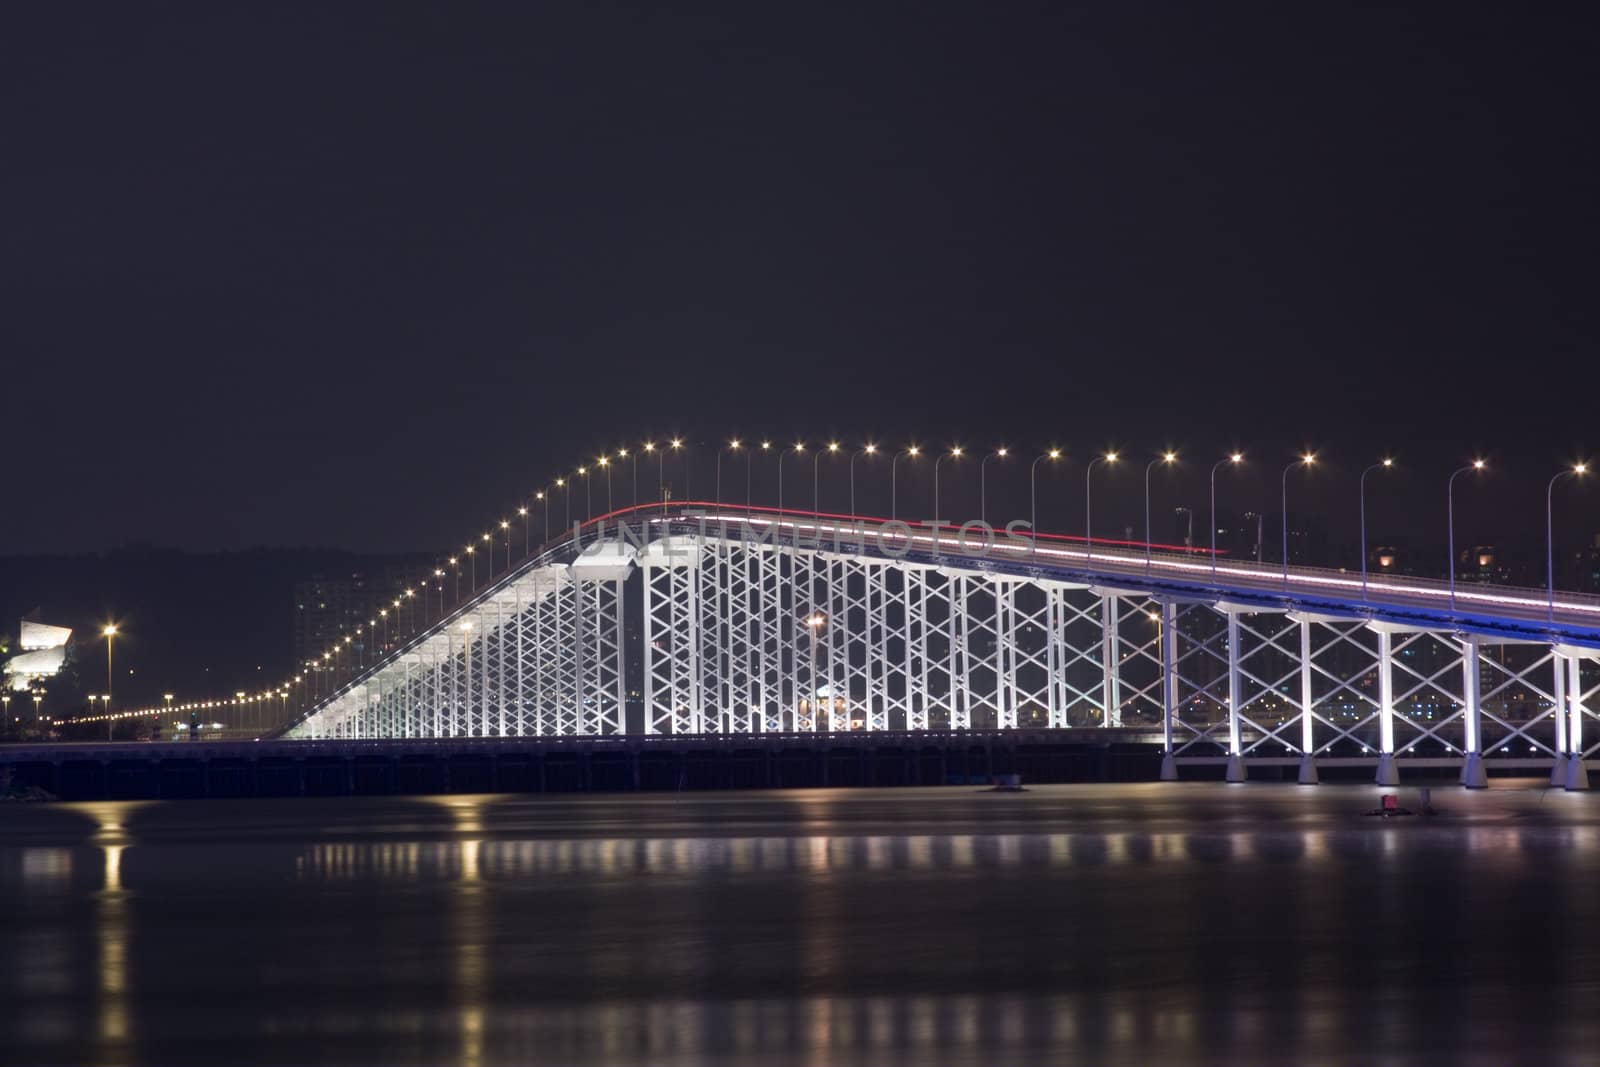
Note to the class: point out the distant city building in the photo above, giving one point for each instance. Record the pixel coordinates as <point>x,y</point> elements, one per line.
<point>1586,568</point>
<point>331,607</point>
<point>43,652</point>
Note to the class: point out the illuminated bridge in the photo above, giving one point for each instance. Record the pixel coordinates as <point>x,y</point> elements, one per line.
<point>706,619</point>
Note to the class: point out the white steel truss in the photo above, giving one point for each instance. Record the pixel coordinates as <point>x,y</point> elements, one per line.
<point>677,628</point>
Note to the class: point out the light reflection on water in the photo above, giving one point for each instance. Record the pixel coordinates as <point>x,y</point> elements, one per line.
<point>844,928</point>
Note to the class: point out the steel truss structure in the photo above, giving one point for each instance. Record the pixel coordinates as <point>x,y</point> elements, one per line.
<point>704,621</point>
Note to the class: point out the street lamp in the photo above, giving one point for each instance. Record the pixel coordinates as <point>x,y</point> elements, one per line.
<point>661,478</point>
<point>798,448</point>
<point>109,631</point>
<point>954,453</point>
<point>894,504</point>
<point>731,446</point>
<point>868,449</point>
<point>983,483</point>
<point>1033,499</point>
<point>1235,458</point>
<point>1385,464</point>
<point>605,462</point>
<point>1304,461</point>
<point>1450,505</point>
<point>527,531</point>
<point>1169,458</point>
<point>472,561</point>
<point>816,458</point>
<point>1577,470</point>
<point>489,548</point>
<point>677,446</point>
<point>814,623</point>
<point>1088,513</point>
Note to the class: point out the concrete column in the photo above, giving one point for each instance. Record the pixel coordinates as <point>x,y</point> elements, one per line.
<point>1236,768</point>
<point>1472,771</point>
<point>1558,768</point>
<point>1308,761</point>
<point>1169,687</point>
<point>1577,771</point>
<point>1388,774</point>
<point>1111,684</point>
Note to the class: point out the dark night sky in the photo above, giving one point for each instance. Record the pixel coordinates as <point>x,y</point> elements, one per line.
<point>356,275</point>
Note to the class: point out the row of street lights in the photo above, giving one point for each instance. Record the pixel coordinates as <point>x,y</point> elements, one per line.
<point>542,499</point>
<point>1233,459</point>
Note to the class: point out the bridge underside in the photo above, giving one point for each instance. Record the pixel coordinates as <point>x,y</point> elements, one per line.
<point>673,626</point>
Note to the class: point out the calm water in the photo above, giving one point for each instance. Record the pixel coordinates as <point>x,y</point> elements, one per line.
<point>1126,924</point>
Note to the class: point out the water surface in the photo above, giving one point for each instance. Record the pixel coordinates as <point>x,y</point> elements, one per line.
<point>1116,924</point>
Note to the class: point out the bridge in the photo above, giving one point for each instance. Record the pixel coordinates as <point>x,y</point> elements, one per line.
<point>703,619</point>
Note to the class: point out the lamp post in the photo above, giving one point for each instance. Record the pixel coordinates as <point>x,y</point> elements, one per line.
<point>816,458</point>
<point>1235,458</point>
<point>605,462</point>
<point>1088,511</point>
<point>798,448</point>
<point>677,446</point>
<point>868,449</point>
<point>894,505</point>
<point>539,497</point>
<point>1450,511</point>
<point>766,446</point>
<point>527,532</point>
<point>814,623</point>
<point>455,565</point>
<point>588,497</point>
<point>472,563</point>
<point>488,543</point>
<point>1385,464</point>
<point>661,473</point>
<point>1304,461</point>
<point>731,446</point>
<point>5,711</point>
<point>109,631</point>
<point>505,528</point>
<point>1169,458</point>
<point>983,482</point>
<point>954,453</point>
<point>1033,499</point>
<point>1577,470</point>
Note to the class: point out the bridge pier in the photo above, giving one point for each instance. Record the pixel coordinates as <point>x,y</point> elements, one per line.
<point>1472,770</point>
<point>1308,740</point>
<point>1236,768</point>
<point>1387,773</point>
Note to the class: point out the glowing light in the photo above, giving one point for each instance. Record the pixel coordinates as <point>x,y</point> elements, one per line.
<point>677,442</point>
<point>1169,457</point>
<point>1309,458</point>
<point>1111,457</point>
<point>955,452</point>
<point>734,443</point>
<point>1002,452</point>
<point>1580,468</point>
<point>110,630</point>
<point>1237,457</point>
<point>833,446</point>
<point>871,450</point>
<point>1479,464</point>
